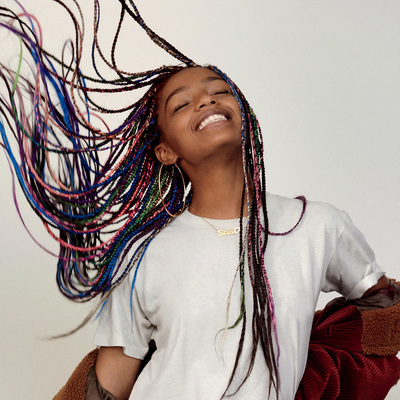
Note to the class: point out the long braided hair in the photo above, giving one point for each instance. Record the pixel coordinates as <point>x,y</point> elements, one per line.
<point>95,187</point>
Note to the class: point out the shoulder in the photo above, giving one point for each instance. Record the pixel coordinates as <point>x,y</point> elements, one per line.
<point>284,213</point>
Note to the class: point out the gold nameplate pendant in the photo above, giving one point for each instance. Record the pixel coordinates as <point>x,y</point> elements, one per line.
<point>228,232</point>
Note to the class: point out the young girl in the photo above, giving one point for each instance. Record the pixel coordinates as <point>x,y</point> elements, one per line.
<point>185,276</point>
<point>223,276</point>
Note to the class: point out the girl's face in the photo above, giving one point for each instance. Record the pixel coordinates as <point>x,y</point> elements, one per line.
<point>198,117</point>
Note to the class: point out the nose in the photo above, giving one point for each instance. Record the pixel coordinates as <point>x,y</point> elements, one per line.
<point>205,100</point>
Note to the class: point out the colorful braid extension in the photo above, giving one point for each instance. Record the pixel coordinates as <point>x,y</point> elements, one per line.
<point>95,187</point>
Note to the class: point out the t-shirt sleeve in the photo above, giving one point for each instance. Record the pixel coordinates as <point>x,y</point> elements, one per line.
<point>352,269</point>
<point>123,326</point>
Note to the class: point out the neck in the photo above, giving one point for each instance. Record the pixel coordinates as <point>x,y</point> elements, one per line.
<point>217,192</point>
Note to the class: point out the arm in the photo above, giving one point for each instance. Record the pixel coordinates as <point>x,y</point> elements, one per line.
<point>116,372</point>
<point>383,283</point>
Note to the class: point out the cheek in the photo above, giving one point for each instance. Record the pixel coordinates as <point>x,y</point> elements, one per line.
<point>175,129</point>
<point>172,136</point>
<point>236,107</point>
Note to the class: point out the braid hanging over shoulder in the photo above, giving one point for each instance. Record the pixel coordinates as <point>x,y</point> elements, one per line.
<point>94,186</point>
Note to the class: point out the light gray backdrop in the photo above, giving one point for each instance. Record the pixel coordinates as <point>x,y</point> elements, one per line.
<point>323,78</point>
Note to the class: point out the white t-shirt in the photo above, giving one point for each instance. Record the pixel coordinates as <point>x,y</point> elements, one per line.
<point>180,300</point>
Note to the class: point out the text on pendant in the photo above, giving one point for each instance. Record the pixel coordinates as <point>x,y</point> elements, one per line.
<point>227,232</point>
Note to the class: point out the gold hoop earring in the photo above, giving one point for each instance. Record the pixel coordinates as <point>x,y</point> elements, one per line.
<point>161,196</point>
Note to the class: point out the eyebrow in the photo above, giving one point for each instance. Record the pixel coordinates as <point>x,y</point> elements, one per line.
<point>183,88</point>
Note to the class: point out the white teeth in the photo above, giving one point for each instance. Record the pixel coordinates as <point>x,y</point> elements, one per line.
<point>210,119</point>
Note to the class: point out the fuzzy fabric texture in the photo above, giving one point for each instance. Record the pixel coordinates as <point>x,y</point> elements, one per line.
<point>383,324</point>
<point>75,388</point>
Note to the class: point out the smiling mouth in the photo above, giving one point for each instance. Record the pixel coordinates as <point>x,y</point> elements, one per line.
<point>211,119</point>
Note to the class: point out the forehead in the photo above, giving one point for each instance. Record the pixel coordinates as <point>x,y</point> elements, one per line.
<point>187,78</point>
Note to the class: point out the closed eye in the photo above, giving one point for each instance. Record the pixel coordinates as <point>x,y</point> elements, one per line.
<point>179,106</point>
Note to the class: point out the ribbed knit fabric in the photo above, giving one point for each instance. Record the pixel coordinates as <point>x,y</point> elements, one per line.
<point>334,374</point>
<point>337,368</point>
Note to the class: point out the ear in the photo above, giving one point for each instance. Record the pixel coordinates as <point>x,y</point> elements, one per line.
<point>165,154</point>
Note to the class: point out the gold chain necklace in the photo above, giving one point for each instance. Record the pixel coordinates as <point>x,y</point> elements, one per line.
<point>221,232</point>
